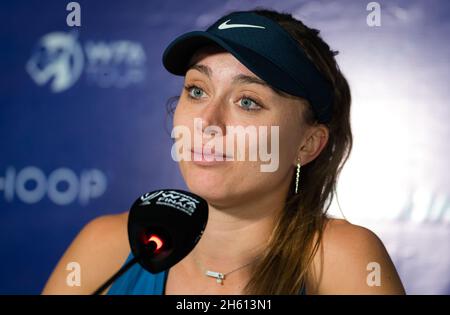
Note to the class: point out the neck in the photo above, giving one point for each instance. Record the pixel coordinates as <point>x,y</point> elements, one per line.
<point>236,235</point>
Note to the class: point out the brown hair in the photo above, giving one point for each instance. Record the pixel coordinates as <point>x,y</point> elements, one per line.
<point>296,238</point>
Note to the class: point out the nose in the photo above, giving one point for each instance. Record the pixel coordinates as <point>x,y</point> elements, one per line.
<point>212,118</point>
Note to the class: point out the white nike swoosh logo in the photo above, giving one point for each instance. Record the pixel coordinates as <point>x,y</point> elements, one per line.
<point>224,25</point>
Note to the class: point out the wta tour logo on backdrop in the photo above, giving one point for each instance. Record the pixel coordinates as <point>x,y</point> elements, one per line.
<point>59,59</point>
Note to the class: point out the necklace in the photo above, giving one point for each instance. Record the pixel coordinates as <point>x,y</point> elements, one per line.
<point>219,276</point>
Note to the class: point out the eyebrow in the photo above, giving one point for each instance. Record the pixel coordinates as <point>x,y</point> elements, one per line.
<point>240,78</point>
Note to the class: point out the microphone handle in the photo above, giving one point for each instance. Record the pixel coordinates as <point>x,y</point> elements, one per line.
<point>121,271</point>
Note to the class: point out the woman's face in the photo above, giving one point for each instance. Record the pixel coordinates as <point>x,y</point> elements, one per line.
<point>219,91</point>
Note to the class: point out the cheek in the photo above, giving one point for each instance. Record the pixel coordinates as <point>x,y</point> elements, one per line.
<point>288,144</point>
<point>290,136</point>
<point>178,115</point>
<point>284,134</point>
<point>183,119</point>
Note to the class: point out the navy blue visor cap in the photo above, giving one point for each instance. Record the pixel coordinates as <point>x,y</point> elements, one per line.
<point>266,49</point>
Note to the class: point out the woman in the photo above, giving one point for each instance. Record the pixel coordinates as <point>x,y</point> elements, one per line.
<point>267,232</point>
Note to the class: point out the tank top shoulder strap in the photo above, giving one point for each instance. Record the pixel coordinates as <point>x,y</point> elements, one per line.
<point>138,281</point>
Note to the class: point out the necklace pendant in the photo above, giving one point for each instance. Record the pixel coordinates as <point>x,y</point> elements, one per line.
<point>219,276</point>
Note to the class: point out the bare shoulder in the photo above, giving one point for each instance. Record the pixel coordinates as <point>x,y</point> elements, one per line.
<point>99,249</point>
<point>352,260</point>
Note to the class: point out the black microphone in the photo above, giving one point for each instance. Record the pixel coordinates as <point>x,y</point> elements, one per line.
<point>163,227</point>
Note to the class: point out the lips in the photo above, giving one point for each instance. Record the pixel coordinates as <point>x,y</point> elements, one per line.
<point>214,154</point>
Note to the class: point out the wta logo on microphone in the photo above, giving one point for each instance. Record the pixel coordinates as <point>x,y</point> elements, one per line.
<point>172,199</point>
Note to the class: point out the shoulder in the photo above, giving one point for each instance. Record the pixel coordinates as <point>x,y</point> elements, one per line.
<point>352,260</point>
<point>106,226</point>
<point>99,249</point>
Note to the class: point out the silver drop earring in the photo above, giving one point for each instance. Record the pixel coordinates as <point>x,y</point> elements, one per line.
<point>297,178</point>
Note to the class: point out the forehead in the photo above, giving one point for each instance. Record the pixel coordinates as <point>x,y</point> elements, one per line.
<point>215,56</point>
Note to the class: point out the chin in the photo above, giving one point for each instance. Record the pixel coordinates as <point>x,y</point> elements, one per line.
<point>212,197</point>
<point>208,184</point>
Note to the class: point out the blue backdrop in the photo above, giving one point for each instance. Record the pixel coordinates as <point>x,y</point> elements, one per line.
<point>84,128</point>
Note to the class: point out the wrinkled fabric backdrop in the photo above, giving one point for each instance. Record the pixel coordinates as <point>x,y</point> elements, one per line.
<point>84,129</point>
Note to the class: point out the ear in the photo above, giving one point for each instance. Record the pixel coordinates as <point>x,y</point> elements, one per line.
<point>316,137</point>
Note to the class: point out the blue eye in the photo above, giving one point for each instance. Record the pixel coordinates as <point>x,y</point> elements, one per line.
<point>248,104</point>
<point>194,91</point>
